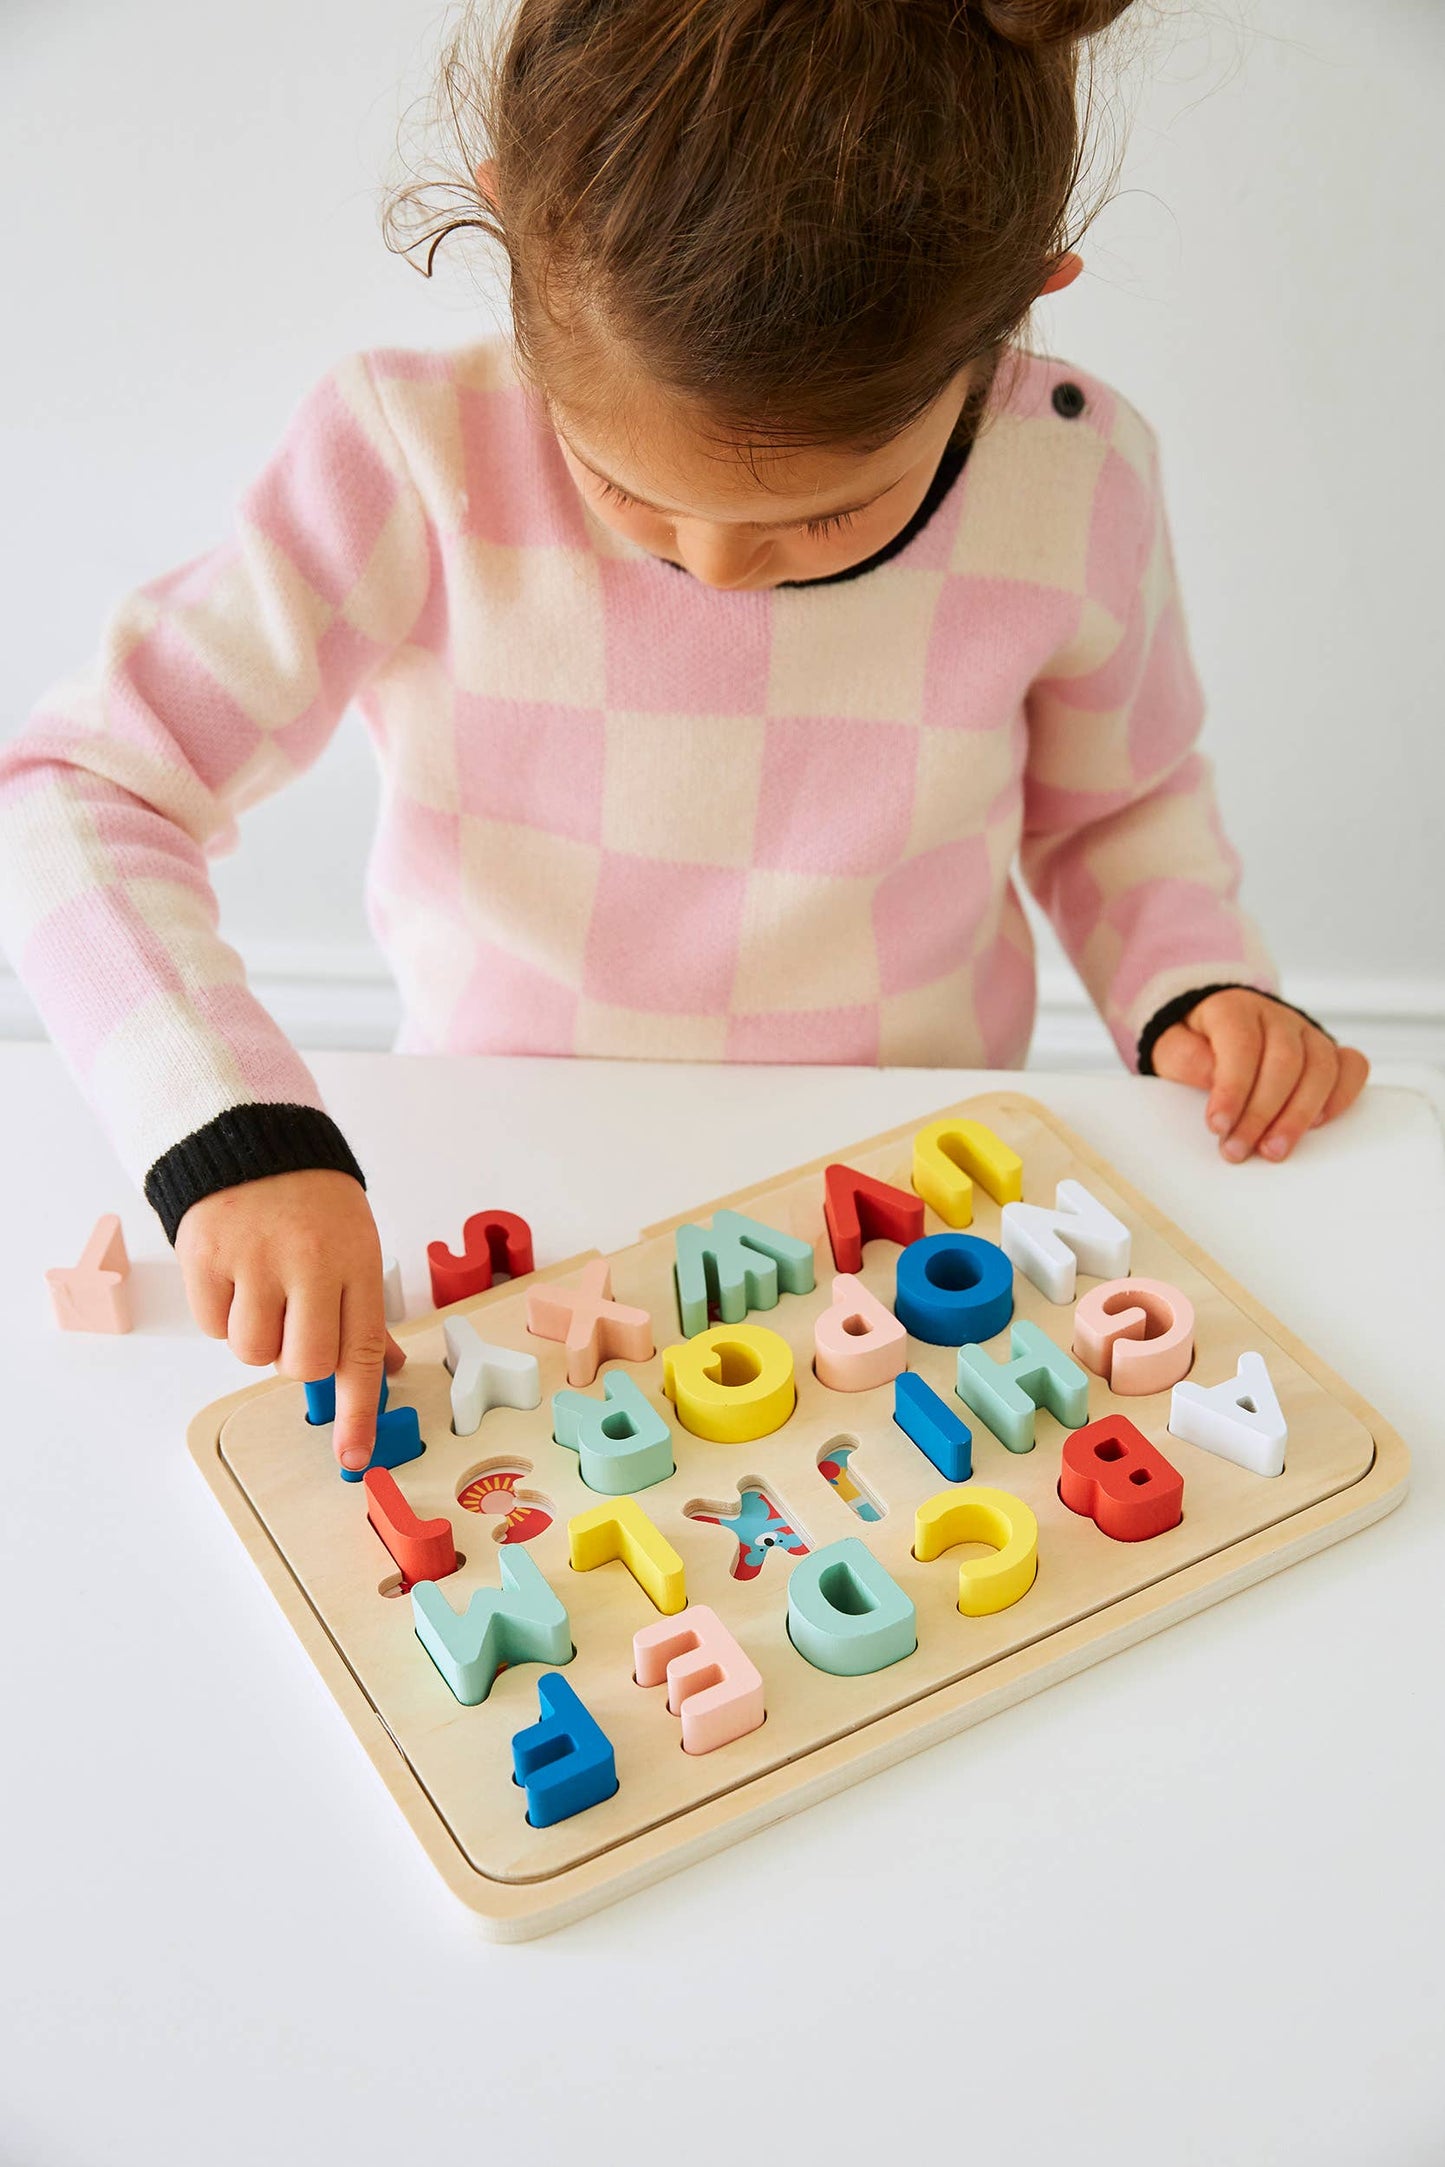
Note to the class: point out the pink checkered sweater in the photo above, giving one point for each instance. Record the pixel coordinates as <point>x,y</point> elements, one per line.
<point>623,813</point>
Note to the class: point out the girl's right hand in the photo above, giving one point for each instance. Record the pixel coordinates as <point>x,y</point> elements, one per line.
<point>288,1270</point>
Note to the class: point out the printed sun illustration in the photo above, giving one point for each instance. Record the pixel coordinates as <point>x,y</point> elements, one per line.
<point>495,1494</point>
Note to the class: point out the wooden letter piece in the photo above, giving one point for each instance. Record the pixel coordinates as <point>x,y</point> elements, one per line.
<point>484,1376</point>
<point>711,1684</point>
<point>423,1549</point>
<point>621,1441</point>
<point>520,1622</point>
<point>738,1264</point>
<point>949,1288</point>
<point>1006,1395</point>
<point>623,1531</point>
<point>732,1383</point>
<point>993,1516</point>
<point>564,1761</point>
<point>858,1343</point>
<point>1049,1246</point>
<point>492,1241</point>
<point>1240,1419</point>
<point>1111,1474</point>
<point>846,1614</point>
<point>947,1153</point>
<point>934,1427</point>
<point>1138,1334</point>
<point>858,1209</point>
<point>593,1327</point>
<point>94,1295</point>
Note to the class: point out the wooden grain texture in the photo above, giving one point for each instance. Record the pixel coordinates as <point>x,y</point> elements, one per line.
<point>450,1767</point>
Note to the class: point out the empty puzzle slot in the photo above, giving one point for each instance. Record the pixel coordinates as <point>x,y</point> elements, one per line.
<point>757,1522</point>
<point>515,1515</point>
<point>397,1583</point>
<point>834,1465</point>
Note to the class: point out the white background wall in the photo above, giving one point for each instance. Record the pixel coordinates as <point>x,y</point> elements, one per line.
<point>191,238</point>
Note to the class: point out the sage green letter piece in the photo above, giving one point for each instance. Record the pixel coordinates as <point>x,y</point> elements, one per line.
<point>621,1441</point>
<point>739,1264</point>
<point>1006,1395</point>
<point>846,1615</point>
<point>520,1622</point>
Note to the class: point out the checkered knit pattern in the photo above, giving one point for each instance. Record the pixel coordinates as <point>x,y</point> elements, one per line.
<point>623,813</point>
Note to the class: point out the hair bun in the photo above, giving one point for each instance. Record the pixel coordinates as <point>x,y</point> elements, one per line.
<point>1049,22</point>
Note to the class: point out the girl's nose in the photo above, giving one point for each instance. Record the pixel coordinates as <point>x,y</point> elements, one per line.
<point>717,557</point>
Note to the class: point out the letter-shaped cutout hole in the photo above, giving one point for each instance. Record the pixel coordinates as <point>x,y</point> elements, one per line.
<point>834,1465</point>
<point>1108,1450</point>
<point>760,1523</point>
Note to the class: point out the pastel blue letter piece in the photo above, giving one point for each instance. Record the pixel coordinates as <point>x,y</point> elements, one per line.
<point>565,1760</point>
<point>846,1615</point>
<point>738,1263</point>
<point>621,1441</point>
<point>934,1427</point>
<point>953,1287</point>
<point>321,1399</point>
<point>520,1622</point>
<point>1006,1394</point>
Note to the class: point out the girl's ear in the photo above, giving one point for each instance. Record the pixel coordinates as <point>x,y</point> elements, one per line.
<point>1065,271</point>
<point>486,180</point>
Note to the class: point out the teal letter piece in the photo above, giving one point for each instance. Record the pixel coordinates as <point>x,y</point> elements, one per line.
<point>846,1615</point>
<point>737,1263</point>
<point>1007,1394</point>
<point>520,1622</point>
<point>621,1441</point>
<point>564,1762</point>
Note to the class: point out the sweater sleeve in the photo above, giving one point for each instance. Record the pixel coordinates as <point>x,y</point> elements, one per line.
<point>213,685</point>
<point>1122,843</point>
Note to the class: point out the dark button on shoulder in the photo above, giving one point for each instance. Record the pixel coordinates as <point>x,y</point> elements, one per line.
<point>1069,401</point>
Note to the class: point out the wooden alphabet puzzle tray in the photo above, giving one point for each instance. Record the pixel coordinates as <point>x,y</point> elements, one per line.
<point>658,1548</point>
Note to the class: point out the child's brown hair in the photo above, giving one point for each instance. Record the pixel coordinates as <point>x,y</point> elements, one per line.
<point>798,218</point>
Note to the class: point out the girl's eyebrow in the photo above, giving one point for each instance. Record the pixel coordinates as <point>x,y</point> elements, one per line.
<point>838,511</point>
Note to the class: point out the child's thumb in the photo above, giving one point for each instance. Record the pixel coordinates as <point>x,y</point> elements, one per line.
<point>1184,1056</point>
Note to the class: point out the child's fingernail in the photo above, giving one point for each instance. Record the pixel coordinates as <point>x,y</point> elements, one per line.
<point>1275,1147</point>
<point>1234,1149</point>
<point>353,1459</point>
<point>1219,1123</point>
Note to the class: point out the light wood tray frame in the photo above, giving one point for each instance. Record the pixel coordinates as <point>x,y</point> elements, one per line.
<point>448,1767</point>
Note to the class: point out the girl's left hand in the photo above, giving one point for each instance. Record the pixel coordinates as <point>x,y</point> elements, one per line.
<point>1270,1073</point>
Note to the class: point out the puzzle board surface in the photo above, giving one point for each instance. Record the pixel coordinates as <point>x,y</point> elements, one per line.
<point>450,1766</point>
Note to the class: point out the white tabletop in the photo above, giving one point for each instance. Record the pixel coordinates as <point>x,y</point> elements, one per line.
<point>1185,1907</point>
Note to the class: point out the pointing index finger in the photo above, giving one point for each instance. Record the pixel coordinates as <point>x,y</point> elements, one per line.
<point>359,1373</point>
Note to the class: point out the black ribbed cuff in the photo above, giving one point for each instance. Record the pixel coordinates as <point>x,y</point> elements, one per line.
<point>1182,1004</point>
<point>245,1143</point>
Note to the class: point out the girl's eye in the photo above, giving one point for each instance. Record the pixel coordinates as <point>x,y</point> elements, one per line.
<point>834,524</point>
<point>815,529</point>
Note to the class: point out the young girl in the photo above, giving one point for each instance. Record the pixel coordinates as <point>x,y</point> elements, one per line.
<point>723,637</point>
